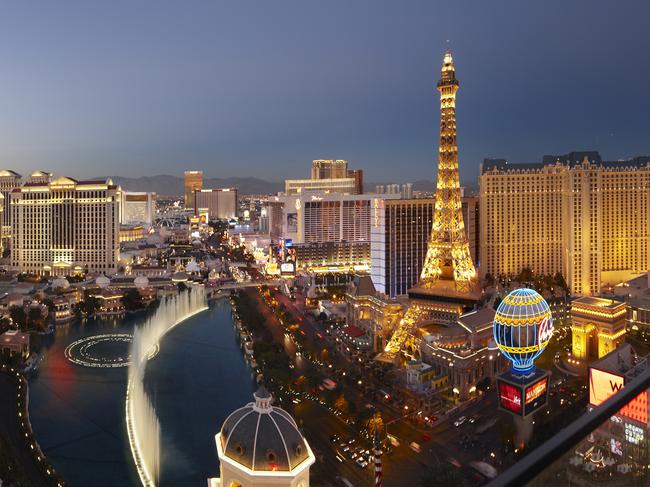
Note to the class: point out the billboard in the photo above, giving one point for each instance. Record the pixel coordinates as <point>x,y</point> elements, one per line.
<point>615,447</point>
<point>510,397</point>
<point>287,268</point>
<point>603,385</point>
<point>535,395</point>
<point>292,222</point>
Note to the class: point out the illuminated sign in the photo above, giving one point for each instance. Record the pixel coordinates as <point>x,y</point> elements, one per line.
<point>603,385</point>
<point>536,390</point>
<point>203,216</point>
<point>288,268</point>
<point>616,447</point>
<point>536,395</point>
<point>633,434</point>
<point>545,330</point>
<point>510,397</point>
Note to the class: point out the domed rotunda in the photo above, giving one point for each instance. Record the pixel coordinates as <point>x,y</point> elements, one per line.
<point>260,445</point>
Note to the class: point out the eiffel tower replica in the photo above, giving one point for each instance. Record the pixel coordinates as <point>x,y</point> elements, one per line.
<point>448,284</point>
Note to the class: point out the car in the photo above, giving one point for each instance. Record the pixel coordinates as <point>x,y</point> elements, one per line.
<point>460,421</point>
<point>415,447</point>
<point>334,438</point>
<point>351,440</point>
<point>474,418</point>
<point>361,462</point>
<point>426,437</point>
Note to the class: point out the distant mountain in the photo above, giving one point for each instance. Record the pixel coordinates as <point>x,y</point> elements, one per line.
<point>166,185</point>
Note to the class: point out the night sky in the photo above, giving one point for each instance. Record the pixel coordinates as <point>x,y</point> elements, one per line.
<point>260,88</point>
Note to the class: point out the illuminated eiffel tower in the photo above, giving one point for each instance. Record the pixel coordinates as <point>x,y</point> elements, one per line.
<point>448,284</point>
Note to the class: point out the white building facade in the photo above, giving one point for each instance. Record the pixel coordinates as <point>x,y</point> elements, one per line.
<point>65,227</point>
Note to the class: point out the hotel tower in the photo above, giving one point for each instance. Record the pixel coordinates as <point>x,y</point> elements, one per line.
<point>575,214</point>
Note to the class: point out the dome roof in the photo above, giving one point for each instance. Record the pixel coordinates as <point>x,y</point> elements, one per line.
<point>179,277</point>
<point>262,437</point>
<point>141,282</point>
<point>102,281</point>
<point>61,282</point>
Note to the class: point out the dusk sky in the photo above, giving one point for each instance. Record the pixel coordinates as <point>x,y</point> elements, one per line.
<point>260,88</point>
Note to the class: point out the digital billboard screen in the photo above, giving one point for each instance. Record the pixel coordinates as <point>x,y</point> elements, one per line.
<point>603,385</point>
<point>288,268</point>
<point>536,395</point>
<point>510,397</point>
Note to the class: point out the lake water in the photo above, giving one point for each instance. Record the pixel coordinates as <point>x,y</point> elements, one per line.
<point>197,379</point>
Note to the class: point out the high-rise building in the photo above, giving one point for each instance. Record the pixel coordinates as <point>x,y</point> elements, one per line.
<point>329,169</point>
<point>328,230</point>
<point>137,208</point>
<point>472,220</point>
<point>65,227</point>
<point>339,185</point>
<point>448,282</point>
<point>575,214</point>
<point>193,182</point>
<point>220,203</point>
<point>357,174</point>
<point>399,241</point>
<point>330,176</point>
<point>314,216</point>
<point>400,236</point>
<point>9,180</point>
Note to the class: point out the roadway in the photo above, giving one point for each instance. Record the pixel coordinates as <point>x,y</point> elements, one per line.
<point>481,439</point>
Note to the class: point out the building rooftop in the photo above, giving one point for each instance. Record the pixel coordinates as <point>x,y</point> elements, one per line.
<point>572,159</point>
<point>263,438</point>
<point>476,321</point>
<point>592,301</point>
<point>620,361</point>
<point>362,285</point>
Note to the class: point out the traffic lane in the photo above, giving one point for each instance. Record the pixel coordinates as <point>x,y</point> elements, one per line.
<point>319,425</point>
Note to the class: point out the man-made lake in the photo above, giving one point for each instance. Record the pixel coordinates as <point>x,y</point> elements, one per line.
<point>196,380</point>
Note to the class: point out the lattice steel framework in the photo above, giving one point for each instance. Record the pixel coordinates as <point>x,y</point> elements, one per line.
<point>448,257</point>
<point>448,265</point>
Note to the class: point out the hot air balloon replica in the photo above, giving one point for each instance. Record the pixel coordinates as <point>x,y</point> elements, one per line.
<point>522,328</point>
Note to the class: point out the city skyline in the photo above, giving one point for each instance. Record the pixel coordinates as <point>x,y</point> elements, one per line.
<point>196,88</point>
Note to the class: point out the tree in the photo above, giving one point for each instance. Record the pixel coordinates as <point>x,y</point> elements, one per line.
<point>35,316</point>
<point>561,282</point>
<point>442,475</point>
<point>50,304</point>
<point>18,316</point>
<point>341,403</point>
<point>91,305</point>
<point>489,279</point>
<point>132,300</point>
